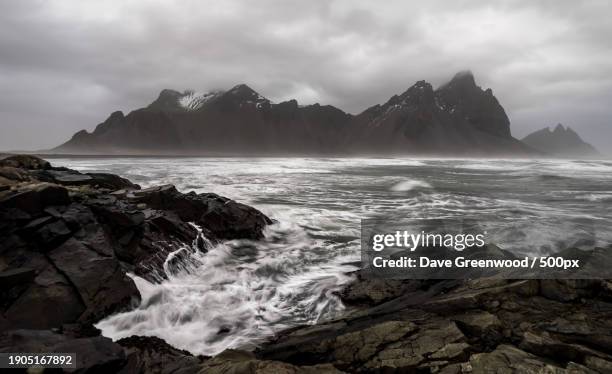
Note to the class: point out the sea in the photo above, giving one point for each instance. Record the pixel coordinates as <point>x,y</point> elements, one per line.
<point>239,293</point>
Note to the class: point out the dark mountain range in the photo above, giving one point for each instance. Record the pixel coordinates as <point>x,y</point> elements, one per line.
<point>563,142</point>
<point>457,118</point>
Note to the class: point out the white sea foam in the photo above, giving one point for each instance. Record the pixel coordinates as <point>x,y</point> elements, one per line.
<point>409,185</point>
<point>237,294</point>
<point>596,196</point>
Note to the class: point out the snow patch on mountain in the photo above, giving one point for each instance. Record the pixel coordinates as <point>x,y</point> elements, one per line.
<point>192,100</point>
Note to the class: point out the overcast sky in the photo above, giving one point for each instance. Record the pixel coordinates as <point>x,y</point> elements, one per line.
<point>66,65</point>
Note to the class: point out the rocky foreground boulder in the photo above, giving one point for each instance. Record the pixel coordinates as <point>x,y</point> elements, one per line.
<point>67,239</point>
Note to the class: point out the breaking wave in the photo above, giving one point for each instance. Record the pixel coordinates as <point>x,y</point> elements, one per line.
<point>409,185</point>
<point>236,294</point>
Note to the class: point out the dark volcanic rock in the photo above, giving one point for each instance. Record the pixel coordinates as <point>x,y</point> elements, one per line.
<point>153,355</point>
<point>14,277</point>
<point>231,220</point>
<point>68,178</point>
<point>93,354</point>
<point>34,198</point>
<point>66,242</point>
<point>25,162</point>
<point>478,326</point>
<point>36,307</point>
<point>223,218</point>
<point>100,281</point>
<point>514,360</point>
<point>232,361</point>
<point>71,244</point>
<point>110,181</point>
<point>30,340</point>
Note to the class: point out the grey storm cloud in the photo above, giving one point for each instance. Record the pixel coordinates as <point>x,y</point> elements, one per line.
<point>65,65</point>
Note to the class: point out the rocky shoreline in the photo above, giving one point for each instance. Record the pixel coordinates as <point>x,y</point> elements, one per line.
<point>67,240</point>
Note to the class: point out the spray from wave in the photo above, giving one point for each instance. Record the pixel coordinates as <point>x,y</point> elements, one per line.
<point>236,294</point>
<point>409,185</point>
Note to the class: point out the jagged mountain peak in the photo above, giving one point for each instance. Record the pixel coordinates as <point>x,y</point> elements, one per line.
<point>464,75</point>
<point>243,92</point>
<point>560,128</point>
<point>80,135</point>
<point>420,86</point>
<point>561,141</point>
<point>462,81</point>
<point>168,92</point>
<point>116,115</point>
<point>417,90</point>
<point>188,100</point>
<point>476,106</point>
<point>170,100</point>
<point>241,88</point>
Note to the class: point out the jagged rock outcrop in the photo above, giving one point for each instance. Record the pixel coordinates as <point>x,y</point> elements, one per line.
<point>457,118</point>
<point>67,239</point>
<point>561,142</point>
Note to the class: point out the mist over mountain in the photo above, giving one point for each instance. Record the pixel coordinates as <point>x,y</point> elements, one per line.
<point>562,141</point>
<point>458,118</point>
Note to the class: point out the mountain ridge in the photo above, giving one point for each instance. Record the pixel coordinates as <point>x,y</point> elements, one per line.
<point>561,142</point>
<point>459,117</point>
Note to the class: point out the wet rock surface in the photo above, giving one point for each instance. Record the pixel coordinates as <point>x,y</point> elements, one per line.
<point>95,354</point>
<point>232,361</point>
<point>153,355</point>
<point>475,326</point>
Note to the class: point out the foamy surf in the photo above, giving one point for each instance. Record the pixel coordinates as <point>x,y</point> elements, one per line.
<point>236,294</point>
<point>409,185</point>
